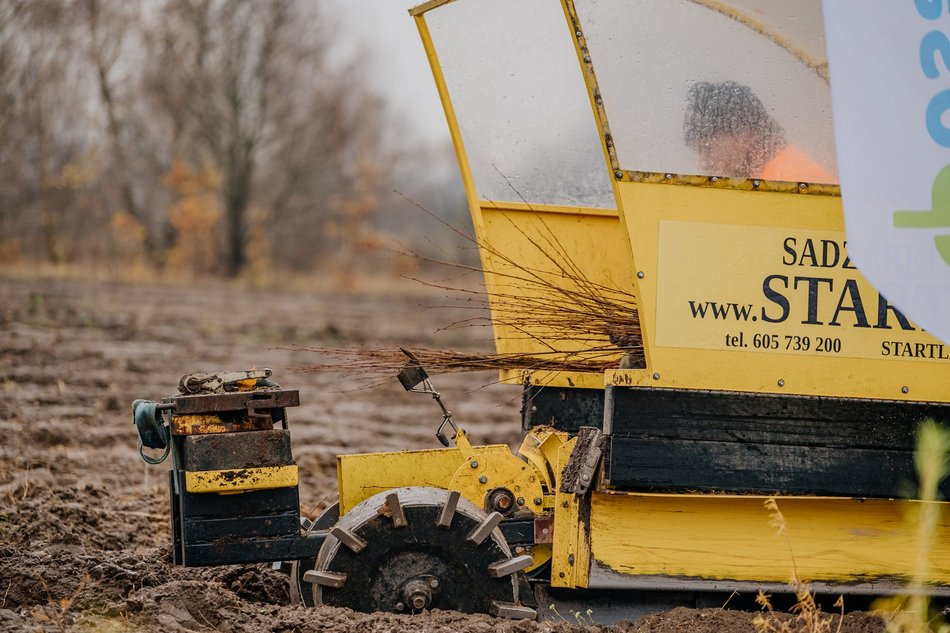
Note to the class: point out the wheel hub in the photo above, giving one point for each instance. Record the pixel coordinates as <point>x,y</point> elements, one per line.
<point>418,593</point>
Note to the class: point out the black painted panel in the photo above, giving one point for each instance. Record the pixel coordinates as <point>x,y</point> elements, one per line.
<point>665,439</point>
<point>770,419</point>
<point>271,525</point>
<point>762,468</point>
<point>564,409</point>
<point>253,551</point>
<point>248,449</point>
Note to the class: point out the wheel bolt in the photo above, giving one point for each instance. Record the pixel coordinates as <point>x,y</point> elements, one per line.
<point>400,606</point>
<point>418,602</point>
<point>434,583</point>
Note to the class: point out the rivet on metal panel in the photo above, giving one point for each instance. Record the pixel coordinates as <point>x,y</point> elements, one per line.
<point>473,463</point>
<point>570,559</point>
<point>714,179</point>
<point>537,501</point>
<point>586,59</point>
<point>803,185</point>
<point>656,376</point>
<point>578,34</point>
<point>669,176</point>
<point>640,275</point>
<point>483,479</point>
<point>905,389</point>
<point>520,501</point>
<point>618,174</point>
<point>781,382</point>
<point>755,183</point>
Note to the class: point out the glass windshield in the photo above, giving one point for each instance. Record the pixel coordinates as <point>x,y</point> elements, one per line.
<point>734,88</point>
<point>519,95</point>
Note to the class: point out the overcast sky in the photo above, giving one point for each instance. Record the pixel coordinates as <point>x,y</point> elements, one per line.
<point>383,33</point>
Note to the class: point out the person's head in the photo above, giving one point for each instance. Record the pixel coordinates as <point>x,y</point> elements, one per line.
<point>730,129</point>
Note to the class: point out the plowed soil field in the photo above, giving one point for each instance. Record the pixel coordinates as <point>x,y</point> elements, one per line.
<point>84,526</point>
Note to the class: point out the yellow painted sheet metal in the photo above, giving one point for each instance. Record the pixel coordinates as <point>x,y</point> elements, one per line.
<point>730,537</point>
<point>361,476</point>
<point>241,479</point>
<point>545,240</point>
<point>754,291</point>
<point>570,558</point>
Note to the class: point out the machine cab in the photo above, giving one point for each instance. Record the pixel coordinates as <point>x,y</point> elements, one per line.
<point>679,157</point>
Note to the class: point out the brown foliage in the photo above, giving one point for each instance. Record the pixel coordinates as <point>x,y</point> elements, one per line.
<point>102,103</point>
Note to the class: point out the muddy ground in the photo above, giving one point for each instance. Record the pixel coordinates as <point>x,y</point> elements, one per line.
<point>84,526</point>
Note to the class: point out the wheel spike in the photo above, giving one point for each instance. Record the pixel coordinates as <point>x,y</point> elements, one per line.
<point>393,509</point>
<point>448,510</point>
<point>512,611</point>
<point>509,566</point>
<point>484,528</point>
<point>325,578</point>
<point>348,538</point>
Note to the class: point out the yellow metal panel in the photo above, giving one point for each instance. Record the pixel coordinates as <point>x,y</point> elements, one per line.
<point>541,239</point>
<point>363,475</point>
<point>781,258</point>
<point>530,450</point>
<point>580,380</point>
<point>730,537</point>
<point>570,558</point>
<point>241,479</point>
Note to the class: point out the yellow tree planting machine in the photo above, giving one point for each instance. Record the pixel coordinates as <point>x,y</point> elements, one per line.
<point>677,152</point>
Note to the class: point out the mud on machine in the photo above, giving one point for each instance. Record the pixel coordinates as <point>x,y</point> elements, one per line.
<point>694,171</point>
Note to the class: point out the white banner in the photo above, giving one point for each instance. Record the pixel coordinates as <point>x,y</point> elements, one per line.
<point>890,86</point>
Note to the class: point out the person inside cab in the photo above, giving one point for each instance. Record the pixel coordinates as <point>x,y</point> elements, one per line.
<point>735,136</point>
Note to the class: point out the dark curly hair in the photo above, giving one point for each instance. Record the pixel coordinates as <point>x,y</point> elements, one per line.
<point>728,107</point>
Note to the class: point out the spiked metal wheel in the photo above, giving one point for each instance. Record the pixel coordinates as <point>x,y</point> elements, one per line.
<point>410,549</point>
<point>300,591</point>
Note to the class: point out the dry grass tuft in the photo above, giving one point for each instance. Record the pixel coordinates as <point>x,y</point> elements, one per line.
<point>552,313</point>
<point>807,614</point>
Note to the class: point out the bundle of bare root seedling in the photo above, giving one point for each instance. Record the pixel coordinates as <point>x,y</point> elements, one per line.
<point>553,317</point>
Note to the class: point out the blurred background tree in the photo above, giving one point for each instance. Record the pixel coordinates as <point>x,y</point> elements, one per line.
<point>203,137</point>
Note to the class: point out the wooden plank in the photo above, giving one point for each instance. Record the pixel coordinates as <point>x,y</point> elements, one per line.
<point>770,419</point>
<point>237,401</point>
<point>221,451</point>
<point>675,464</point>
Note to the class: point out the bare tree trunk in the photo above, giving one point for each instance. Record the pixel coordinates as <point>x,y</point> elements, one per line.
<point>103,64</point>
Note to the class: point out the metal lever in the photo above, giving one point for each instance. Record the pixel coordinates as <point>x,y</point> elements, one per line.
<point>411,376</point>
